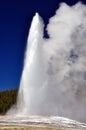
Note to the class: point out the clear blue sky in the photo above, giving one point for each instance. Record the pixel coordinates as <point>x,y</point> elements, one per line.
<point>15,20</point>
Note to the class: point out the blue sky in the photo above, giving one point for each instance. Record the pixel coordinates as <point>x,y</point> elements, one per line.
<point>15,20</point>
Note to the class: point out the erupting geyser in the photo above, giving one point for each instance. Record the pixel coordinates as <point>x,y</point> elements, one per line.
<point>33,73</point>
<point>53,80</point>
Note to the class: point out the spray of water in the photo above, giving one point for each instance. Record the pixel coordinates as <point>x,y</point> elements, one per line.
<point>53,80</point>
<point>34,72</point>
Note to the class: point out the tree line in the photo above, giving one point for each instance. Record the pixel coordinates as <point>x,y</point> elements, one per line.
<point>7,99</point>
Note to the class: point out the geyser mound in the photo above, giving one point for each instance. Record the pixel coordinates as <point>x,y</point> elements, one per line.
<point>53,80</point>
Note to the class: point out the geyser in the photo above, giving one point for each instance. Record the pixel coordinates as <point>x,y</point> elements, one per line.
<point>33,76</point>
<point>53,80</point>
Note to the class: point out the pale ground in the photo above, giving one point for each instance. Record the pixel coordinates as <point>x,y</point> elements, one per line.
<point>32,128</point>
<point>39,123</point>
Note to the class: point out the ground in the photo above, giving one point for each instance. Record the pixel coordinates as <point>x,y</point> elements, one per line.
<point>39,123</point>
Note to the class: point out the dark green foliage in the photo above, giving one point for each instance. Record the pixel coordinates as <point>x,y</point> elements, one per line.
<point>7,99</point>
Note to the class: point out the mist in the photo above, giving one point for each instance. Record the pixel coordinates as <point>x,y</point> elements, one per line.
<point>65,53</point>
<point>53,81</point>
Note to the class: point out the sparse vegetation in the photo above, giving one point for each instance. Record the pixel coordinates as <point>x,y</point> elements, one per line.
<point>7,99</point>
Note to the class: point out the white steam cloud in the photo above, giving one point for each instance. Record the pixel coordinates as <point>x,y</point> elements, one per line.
<point>66,50</point>
<point>54,77</point>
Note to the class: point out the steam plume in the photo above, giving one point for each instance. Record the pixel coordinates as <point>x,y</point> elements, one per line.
<point>53,80</point>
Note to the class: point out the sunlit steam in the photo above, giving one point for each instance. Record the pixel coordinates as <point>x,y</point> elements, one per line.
<point>53,80</point>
